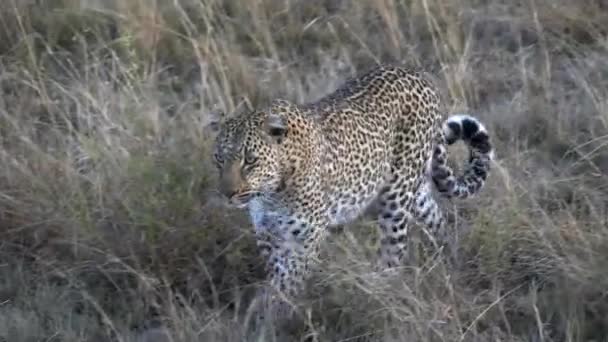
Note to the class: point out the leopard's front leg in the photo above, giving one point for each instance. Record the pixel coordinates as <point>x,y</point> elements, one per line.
<point>292,250</point>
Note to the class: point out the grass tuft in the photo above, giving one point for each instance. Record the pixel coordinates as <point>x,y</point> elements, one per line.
<point>110,228</point>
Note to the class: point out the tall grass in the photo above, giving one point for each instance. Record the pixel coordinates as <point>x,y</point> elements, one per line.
<point>110,228</point>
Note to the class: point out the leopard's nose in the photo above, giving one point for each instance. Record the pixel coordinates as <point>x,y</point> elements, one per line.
<point>228,192</point>
<point>226,188</point>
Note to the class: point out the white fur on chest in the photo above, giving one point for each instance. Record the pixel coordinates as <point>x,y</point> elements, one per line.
<point>256,212</point>
<point>266,218</point>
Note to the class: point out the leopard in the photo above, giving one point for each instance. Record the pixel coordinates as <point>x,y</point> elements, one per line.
<point>377,141</point>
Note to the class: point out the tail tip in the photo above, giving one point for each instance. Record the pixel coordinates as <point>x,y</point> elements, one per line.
<point>462,126</point>
<point>470,129</point>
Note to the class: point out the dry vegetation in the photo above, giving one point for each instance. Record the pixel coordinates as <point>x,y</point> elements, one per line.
<point>109,227</point>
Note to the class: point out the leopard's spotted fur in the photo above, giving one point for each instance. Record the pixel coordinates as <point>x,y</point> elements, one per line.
<point>379,139</point>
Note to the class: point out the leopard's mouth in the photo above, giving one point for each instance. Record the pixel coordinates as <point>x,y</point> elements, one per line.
<point>242,199</point>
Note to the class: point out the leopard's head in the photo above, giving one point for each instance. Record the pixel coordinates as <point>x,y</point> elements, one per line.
<point>251,153</point>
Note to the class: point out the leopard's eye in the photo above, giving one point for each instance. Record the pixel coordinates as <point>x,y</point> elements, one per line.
<point>250,157</point>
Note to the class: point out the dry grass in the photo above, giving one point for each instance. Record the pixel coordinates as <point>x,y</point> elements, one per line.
<point>108,228</point>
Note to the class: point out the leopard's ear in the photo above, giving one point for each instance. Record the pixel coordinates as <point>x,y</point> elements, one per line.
<point>276,122</point>
<point>275,126</point>
<point>214,123</point>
